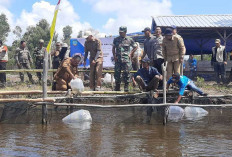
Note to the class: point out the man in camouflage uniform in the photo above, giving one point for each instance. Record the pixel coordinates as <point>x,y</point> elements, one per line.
<point>122,57</point>
<point>23,59</point>
<point>39,56</point>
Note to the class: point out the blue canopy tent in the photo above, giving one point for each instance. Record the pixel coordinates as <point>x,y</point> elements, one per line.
<point>199,31</point>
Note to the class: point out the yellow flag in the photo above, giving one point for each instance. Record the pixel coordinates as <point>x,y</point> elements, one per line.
<point>53,26</point>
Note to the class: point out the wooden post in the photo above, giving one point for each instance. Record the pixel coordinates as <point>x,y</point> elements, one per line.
<point>112,81</point>
<point>45,75</point>
<point>164,82</point>
<point>164,93</point>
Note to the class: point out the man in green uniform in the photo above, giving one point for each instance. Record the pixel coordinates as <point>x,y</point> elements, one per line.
<point>23,59</point>
<point>122,57</point>
<point>39,56</point>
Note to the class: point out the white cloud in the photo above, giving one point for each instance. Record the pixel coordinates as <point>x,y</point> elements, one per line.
<point>9,15</point>
<point>45,10</point>
<point>135,14</point>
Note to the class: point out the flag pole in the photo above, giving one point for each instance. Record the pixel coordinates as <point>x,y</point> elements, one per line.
<point>45,65</point>
<point>45,76</point>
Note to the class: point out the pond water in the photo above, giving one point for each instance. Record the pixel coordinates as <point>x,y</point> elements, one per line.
<point>118,132</point>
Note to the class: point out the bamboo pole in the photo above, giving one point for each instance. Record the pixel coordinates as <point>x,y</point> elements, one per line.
<point>107,92</point>
<point>164,82</point>
<point>33,92</point>
<point>27,100</point>
<point>139,105</point>
<point>51,70</point>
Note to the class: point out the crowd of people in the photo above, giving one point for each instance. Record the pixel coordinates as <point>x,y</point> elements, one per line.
<point>168,50</point>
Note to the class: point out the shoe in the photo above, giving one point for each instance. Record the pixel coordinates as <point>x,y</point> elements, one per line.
<point>117,87</point>
<point>32,81</point>
<point>2,85</point>
<point>204,94</point>
<point>126,88</point>
<point>98,88</point>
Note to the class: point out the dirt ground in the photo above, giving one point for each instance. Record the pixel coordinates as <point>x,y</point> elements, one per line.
<point>14,84</point>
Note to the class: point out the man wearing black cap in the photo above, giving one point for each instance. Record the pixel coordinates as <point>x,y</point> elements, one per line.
<point>174,31</point>
<point>173,52</point>
<point>147,77</point>
<point>148,44</point>
<point>183,82</point>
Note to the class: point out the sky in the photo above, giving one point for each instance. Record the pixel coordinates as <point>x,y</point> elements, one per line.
<point>104,15</point>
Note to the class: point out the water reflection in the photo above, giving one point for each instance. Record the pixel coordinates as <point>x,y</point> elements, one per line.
<point>120,132</point>
<point>79,126</point>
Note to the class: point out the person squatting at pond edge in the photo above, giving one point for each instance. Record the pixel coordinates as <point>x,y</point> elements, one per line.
<point>183,82</point>
<point>147,77</point>
<point>93,45</point>
<point>66,72</point>
<point>122,57</point>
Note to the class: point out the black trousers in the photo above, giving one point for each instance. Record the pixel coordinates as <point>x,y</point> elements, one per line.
<point>3,75</point>
<point>158,65</point>
<point>220,69</point>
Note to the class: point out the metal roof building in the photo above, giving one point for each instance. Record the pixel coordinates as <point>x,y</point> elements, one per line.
<point>199,31</point>
<point>195,21</point>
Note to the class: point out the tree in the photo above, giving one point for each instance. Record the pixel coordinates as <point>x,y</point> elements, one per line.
<point>41,31</point>
<point>4,27</point>
<point>67,31</point>
<point>18,32</point>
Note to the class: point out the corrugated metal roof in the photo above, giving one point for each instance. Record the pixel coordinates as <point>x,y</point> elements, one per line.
<point>194,21</point>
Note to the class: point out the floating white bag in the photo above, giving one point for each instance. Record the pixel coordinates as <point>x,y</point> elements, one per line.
<point>77,85</point>
<point>107,79</point>
<point>78,116</point>
<point>194,113</point>
<point>175,113</point>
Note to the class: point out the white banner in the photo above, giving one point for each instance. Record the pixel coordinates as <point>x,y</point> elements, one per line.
<point>106,49</point>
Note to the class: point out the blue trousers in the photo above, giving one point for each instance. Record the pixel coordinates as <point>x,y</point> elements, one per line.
<point>192,86</point>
